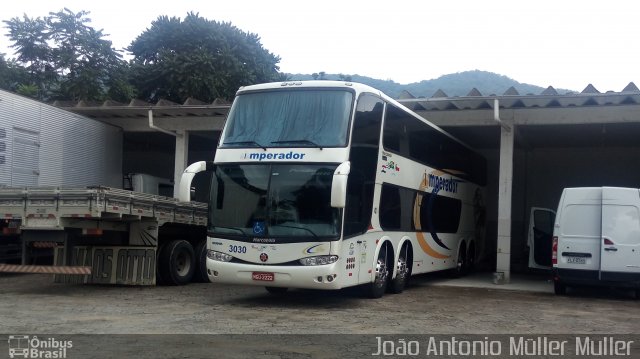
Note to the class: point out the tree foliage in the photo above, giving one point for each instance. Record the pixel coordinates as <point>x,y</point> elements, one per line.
<point>61,56</point>
<point>12,75</point>
<point>195,57</point>
<point>65,57</point>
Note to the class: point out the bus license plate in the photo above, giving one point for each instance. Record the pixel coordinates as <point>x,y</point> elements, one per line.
<point>263,276</point>
<point>576,260</point>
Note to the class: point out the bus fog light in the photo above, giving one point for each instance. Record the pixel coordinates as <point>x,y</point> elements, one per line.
<point>330,278</point>
<point>318,260</point>
<point>319,279</point>
<point>218,256</point>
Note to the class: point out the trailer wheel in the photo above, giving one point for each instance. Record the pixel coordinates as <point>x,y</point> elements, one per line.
<point>177,263</point>
<point>159,279</point>
<point>377,288</point>
<point>200,274</point>
<point>398,283</point>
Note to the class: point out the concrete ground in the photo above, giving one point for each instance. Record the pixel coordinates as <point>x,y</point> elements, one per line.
<point>247,322</point>
<point>539,282</point>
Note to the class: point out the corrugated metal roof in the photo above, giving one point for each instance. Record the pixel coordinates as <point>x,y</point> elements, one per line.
<point>550,98</point>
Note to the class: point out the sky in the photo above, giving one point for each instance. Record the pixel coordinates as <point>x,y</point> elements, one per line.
<point>560,43</point>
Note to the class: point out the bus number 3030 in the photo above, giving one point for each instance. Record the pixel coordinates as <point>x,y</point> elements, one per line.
<point>237,249</point>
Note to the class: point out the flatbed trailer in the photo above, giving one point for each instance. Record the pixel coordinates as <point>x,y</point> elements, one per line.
<point>106,235</point>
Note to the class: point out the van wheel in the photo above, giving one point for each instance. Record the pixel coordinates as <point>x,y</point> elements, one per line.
<point>636,293</point>
<point>403,272</point>
<point>377,288</point>
<point>559,288</point>
<point>200,274</point>
<point>177,263</point>
<point>276,290</point>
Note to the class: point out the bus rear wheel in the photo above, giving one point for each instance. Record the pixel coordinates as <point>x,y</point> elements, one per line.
<point>377,288</point>
<point>403,272</point>
<point>461,263</point>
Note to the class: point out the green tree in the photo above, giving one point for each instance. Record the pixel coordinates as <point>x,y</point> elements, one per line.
<point>12,75</point>
<point>195,57</point>
<point>30,41</point>
<point>65,57</point>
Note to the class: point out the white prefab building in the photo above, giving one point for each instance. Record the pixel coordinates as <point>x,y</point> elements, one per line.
<point>42,145</point>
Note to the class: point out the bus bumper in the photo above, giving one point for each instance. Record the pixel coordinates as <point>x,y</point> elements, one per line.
<point>308,277</point>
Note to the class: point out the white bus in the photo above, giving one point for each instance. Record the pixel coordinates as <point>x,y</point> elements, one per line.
<point>327,185</point>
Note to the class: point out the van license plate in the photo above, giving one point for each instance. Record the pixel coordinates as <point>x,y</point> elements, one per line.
<point>577,260</point>
<point>263,276</point>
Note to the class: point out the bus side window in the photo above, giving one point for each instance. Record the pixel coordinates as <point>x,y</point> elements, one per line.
<point>390,208</point>
<point>365,143</point>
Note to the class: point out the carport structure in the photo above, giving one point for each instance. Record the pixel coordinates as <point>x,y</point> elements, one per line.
<point>535,146</point>
<point>161,139</point>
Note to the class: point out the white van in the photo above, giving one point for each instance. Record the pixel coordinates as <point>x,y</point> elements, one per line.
<point>596,238</point>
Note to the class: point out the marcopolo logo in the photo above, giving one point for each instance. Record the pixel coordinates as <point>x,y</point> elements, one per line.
<point>261,156</point>
<point>24,346</point>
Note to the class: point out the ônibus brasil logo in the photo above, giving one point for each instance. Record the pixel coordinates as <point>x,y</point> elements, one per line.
<point>32,347</point>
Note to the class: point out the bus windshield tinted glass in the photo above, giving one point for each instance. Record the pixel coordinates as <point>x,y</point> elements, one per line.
<point>286,118</point>
<point>290,202</point>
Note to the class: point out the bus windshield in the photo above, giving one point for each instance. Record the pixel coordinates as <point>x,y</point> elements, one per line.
<point>280,201</point>
<point>289,118</point>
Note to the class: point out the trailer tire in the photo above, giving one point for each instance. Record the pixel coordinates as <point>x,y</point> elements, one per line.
<point>159,279</point>
<point>177,263</point>
<point>200,274</point>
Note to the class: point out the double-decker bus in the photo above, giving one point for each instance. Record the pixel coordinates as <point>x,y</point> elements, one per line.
<point>327,185</point>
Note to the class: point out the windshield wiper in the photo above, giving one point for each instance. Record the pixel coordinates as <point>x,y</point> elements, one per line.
<point>309,142</point>
<point>256,144</point>
<point>232,228</point>
<point>296,227</point>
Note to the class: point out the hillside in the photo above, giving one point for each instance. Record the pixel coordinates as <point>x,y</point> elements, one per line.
<point>458,84</point>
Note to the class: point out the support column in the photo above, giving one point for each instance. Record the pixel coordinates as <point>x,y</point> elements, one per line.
<point>505,186</point>
<point>181,158</point>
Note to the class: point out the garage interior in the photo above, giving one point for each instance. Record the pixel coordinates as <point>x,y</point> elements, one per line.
<point>535,146</point>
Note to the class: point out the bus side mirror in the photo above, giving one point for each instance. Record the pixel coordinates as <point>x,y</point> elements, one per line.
<point>339,185</point>
<point>185,191</point>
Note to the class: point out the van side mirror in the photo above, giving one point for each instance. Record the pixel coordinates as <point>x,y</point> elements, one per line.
<point>339,185</point>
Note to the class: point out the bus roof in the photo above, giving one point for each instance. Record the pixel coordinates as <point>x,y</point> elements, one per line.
<point>358,87</point>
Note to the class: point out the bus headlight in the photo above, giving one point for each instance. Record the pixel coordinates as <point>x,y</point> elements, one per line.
<point>318,261</point>
<point>218,256</point>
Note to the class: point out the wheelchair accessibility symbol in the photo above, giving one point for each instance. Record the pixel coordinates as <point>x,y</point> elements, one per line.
<point>258,228</point>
